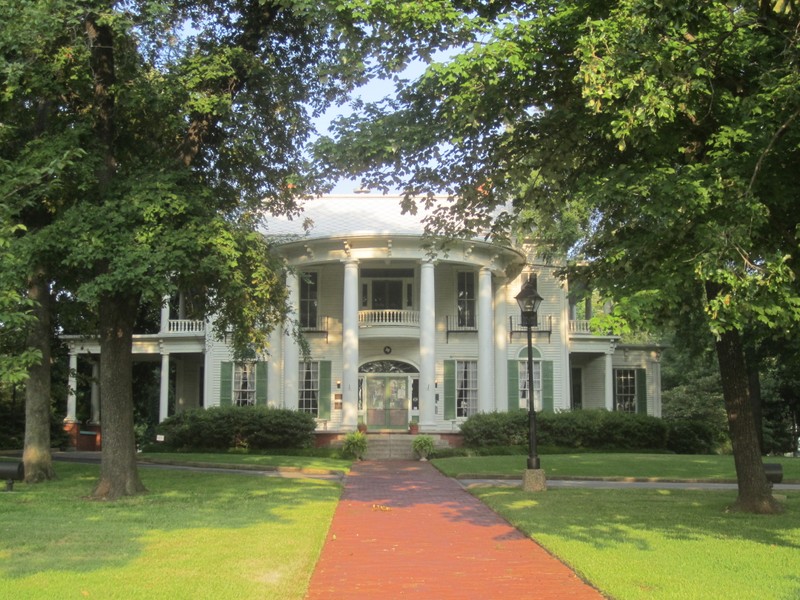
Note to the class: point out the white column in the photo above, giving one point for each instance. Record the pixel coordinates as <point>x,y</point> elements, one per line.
<point>275,379</point>
<point>95,395</point>
<point>427,345</point>
<point>72,388</point>
<point>500,348</point>
<point>163,398</point>
<point>350,345</point>
<point>485,344</point>
<point>609,382</point>
<point>165,314</point>
<point>291,351</point>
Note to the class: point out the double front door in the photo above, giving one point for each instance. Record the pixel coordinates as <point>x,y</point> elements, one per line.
<point>387,401</point>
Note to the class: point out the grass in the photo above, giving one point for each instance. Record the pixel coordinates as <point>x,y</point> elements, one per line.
<point>194,535</point>
<point>658,544</point>
<point>254,461</point>
<point>644,466</point>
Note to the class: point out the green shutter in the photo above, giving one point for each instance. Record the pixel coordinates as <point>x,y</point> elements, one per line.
<point>513,385</point>
<point>225,383</point>
<point>261,383</point>
<point>449,389</point>
<point>324,405</point>
<point>641,391</point>
<point>547,386</point>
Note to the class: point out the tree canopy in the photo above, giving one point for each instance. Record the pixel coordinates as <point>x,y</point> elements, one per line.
<point>653,143</point>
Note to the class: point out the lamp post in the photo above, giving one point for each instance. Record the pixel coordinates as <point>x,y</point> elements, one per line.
<point>529,300</point>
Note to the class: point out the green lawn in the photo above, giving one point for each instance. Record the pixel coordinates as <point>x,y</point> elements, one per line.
<point>661,545</point>
<point>644,466</point>
<point>309,464</point>
<point>194,535</point>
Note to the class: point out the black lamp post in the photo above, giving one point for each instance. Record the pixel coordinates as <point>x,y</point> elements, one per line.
<point>529,301</point>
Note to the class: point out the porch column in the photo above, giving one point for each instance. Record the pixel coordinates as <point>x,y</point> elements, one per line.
<point>500,348</point>
<point>95,393</point>
<point>165,314</point>
<point>163,398</point>
<point>609,382</point>
<point>291,351</point>
<point>350,345</point>
<point>427,345</point>
<point>485,346</point>
<point>72,388</point>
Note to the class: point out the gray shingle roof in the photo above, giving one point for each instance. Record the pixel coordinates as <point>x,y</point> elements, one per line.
<point>361,214</point>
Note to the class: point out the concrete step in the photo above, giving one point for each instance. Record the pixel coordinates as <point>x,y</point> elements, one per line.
<point>394,446</point>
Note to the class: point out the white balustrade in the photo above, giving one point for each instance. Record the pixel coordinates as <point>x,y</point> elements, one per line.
<point>388,318</point>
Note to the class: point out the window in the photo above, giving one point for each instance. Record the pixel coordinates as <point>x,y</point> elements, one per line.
<point>244,384</point>
<point>309,388</point>
<point>537,384</point>
<point>625,390</point>
<point>308,300</point>
<point>466,299</point>
<point>576,389</point>
<point>466,388</point>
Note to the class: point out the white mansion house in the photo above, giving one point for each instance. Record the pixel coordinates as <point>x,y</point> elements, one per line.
<point>398,335</point>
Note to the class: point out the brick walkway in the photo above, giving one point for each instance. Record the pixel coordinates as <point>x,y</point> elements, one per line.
<point>403,530</point>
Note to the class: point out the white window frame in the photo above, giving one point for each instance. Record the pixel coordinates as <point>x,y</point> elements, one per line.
<point>308,392</point>
<point>537,384</point>
<point>305,311</point>
<point>244,384</point>
<point>466,388</point>
<point>466,305</point>
<point>625,395</point>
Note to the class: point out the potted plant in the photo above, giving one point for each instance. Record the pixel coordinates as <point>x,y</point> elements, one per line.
<point>362,427</point>
<point>355,445</point>
<point>413,427</point>
<point>423,446</point>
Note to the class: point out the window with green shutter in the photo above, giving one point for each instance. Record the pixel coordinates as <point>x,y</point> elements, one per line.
<point>449,390</point>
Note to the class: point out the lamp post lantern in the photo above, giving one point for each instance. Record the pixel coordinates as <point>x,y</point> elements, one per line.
<point>529,301</point>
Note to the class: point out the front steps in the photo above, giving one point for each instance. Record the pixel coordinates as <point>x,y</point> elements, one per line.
<point>393,446</point>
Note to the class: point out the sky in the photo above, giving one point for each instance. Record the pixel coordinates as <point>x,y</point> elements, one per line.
<point>372,92</point>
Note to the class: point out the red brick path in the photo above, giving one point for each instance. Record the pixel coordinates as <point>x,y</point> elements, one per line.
<point>403,530</point>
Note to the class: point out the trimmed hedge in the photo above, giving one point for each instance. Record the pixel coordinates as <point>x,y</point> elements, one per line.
<point>244,427</point>
<point>586,429</point>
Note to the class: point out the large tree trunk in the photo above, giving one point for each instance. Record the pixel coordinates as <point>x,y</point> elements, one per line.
<point>36,453</point>
<point>755,492</point>
<point>119,475</point>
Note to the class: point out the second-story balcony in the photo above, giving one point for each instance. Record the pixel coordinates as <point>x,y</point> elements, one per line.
<point>388,323</point>
<point>186,327</point>
<point>579,327</point>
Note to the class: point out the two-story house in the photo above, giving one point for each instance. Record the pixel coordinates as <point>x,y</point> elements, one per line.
<point>397,334</point>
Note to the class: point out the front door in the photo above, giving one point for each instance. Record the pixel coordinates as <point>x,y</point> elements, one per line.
<point>387,401</point>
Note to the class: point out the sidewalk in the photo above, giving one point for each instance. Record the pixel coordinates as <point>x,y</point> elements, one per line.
<point>403,530</point>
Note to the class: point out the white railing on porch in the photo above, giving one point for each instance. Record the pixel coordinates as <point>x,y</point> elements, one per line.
<point>579,326</point>
<point>388,318</point>
<point>186,326</point>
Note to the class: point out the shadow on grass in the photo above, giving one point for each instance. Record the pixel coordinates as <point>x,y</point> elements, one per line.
<point>604,518</point>
<point>54,527</point>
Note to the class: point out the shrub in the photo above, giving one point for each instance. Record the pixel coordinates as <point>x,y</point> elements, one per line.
<point>355,445</point>
<point>496,429</point>
<point>588,429</point>
<point>245,427</point>
<point>687,436</point>
<point>423,446</point>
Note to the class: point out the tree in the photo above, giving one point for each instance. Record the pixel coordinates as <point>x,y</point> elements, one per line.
<point>191,120</point>
<point>655,142</point>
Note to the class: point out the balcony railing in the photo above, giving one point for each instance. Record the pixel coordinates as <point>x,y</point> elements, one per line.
<point>319,326</point>
<point>452,325</point>
<point>544,325</point>
<point>187,326</point>
<point>580,326</point>
<point>388,318</point>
